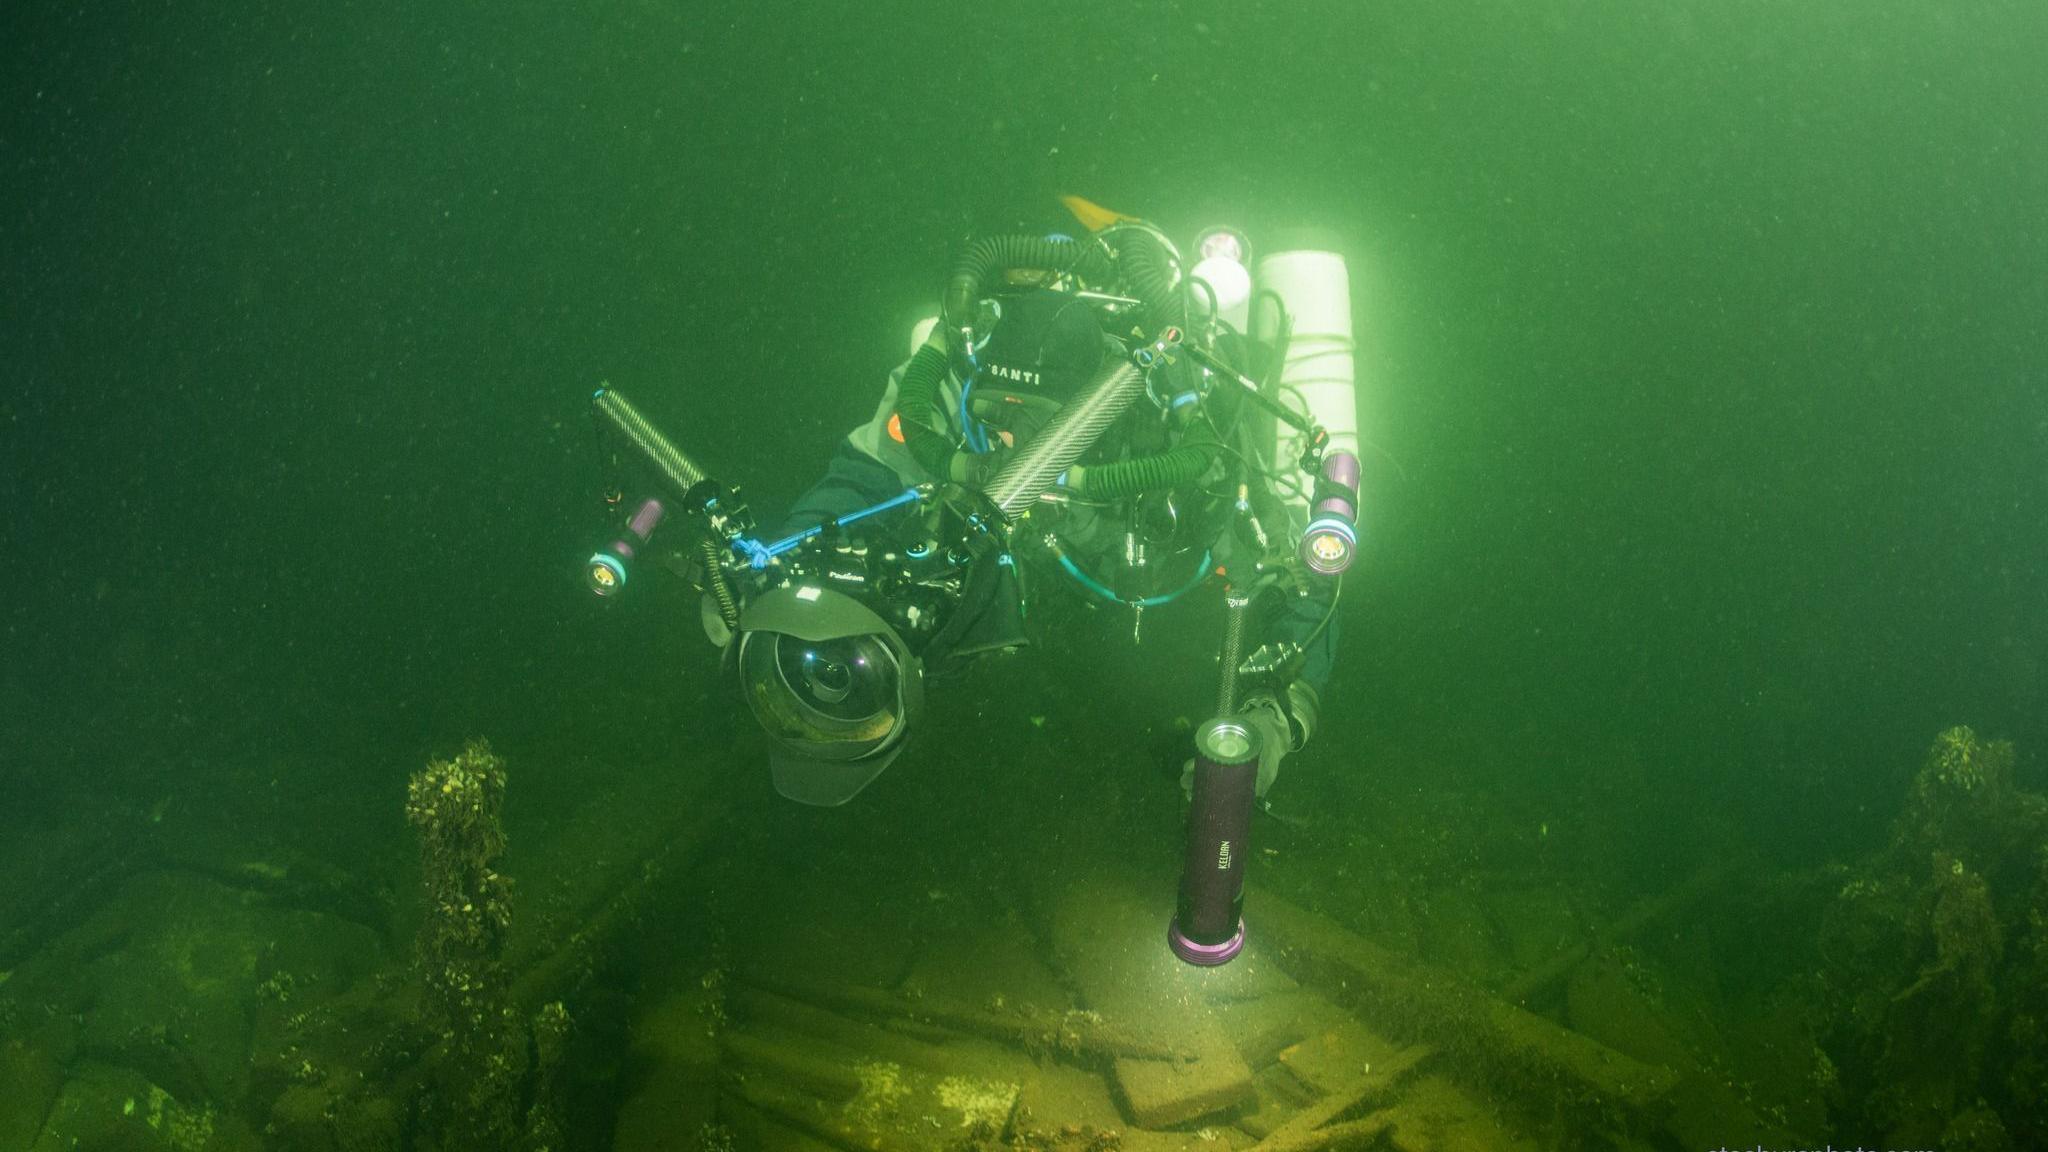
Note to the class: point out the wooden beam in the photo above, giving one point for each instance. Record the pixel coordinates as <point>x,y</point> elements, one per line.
<point>1515,1052</point>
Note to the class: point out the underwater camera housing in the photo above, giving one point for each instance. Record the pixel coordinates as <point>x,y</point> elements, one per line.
<point>830,629</point>
<point>833,685</point>
<point>834,648</point>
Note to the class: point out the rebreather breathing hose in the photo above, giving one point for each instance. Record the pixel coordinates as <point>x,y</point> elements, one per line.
<point>917,410</point>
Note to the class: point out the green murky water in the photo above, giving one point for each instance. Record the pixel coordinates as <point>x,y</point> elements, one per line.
<point>1702,346</point>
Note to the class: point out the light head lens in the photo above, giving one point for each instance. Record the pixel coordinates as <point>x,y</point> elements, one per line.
<point>1328,545</point>
<point>605,574</point>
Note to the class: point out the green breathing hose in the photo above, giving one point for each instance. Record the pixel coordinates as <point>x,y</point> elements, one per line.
<point>1182,464</point>
<point>917,410</point>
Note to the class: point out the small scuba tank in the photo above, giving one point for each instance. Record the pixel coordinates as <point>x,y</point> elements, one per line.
<point>1318,374</point>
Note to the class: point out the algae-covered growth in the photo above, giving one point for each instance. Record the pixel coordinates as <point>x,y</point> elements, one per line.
<point>1962,797</point>
<point>978,1102</point>
<point>457,806</point>
<point>1957,760</point>
<point>881,1088</point>
<point>182,1128</point>
<point>1916,944</point>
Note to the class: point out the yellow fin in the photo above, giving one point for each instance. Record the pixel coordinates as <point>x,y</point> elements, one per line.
<point>1094,217</point>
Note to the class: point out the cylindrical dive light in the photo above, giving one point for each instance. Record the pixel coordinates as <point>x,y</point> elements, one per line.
<point>1332,535</point>
<point>1208,924</point>
<point>606,572</point>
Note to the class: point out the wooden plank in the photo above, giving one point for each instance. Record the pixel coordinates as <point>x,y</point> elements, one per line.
<point>1360,1133</point>
<point>1369,1087</point>
<point>1109,940</point>
<point>1519,1052</point>
<point>1159,1093</point>
<point>1084,1036</point>
<point>1640,916</point>
<point>859,1103</point>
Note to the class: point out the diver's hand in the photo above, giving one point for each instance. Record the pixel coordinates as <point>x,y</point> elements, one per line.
<point>1265,714</point>
<point>1277,737</point>
<point>976,469</point>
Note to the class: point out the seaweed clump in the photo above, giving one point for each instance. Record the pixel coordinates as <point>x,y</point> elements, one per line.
<point>1938,1029</point>
<point>457,808</point>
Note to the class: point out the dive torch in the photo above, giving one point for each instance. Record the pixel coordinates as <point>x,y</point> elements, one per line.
<point>1332,535</point>
<point>1208,923</point>
<point>606,571</point>
<point>682,478</point>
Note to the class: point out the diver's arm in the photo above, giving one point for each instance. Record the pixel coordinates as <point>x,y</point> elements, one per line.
<point>852,481</point>
<point>1287,712</point>
<point>926,431</point>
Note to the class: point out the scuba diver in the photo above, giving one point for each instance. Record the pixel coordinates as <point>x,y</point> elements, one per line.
<point>1090,412</point>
